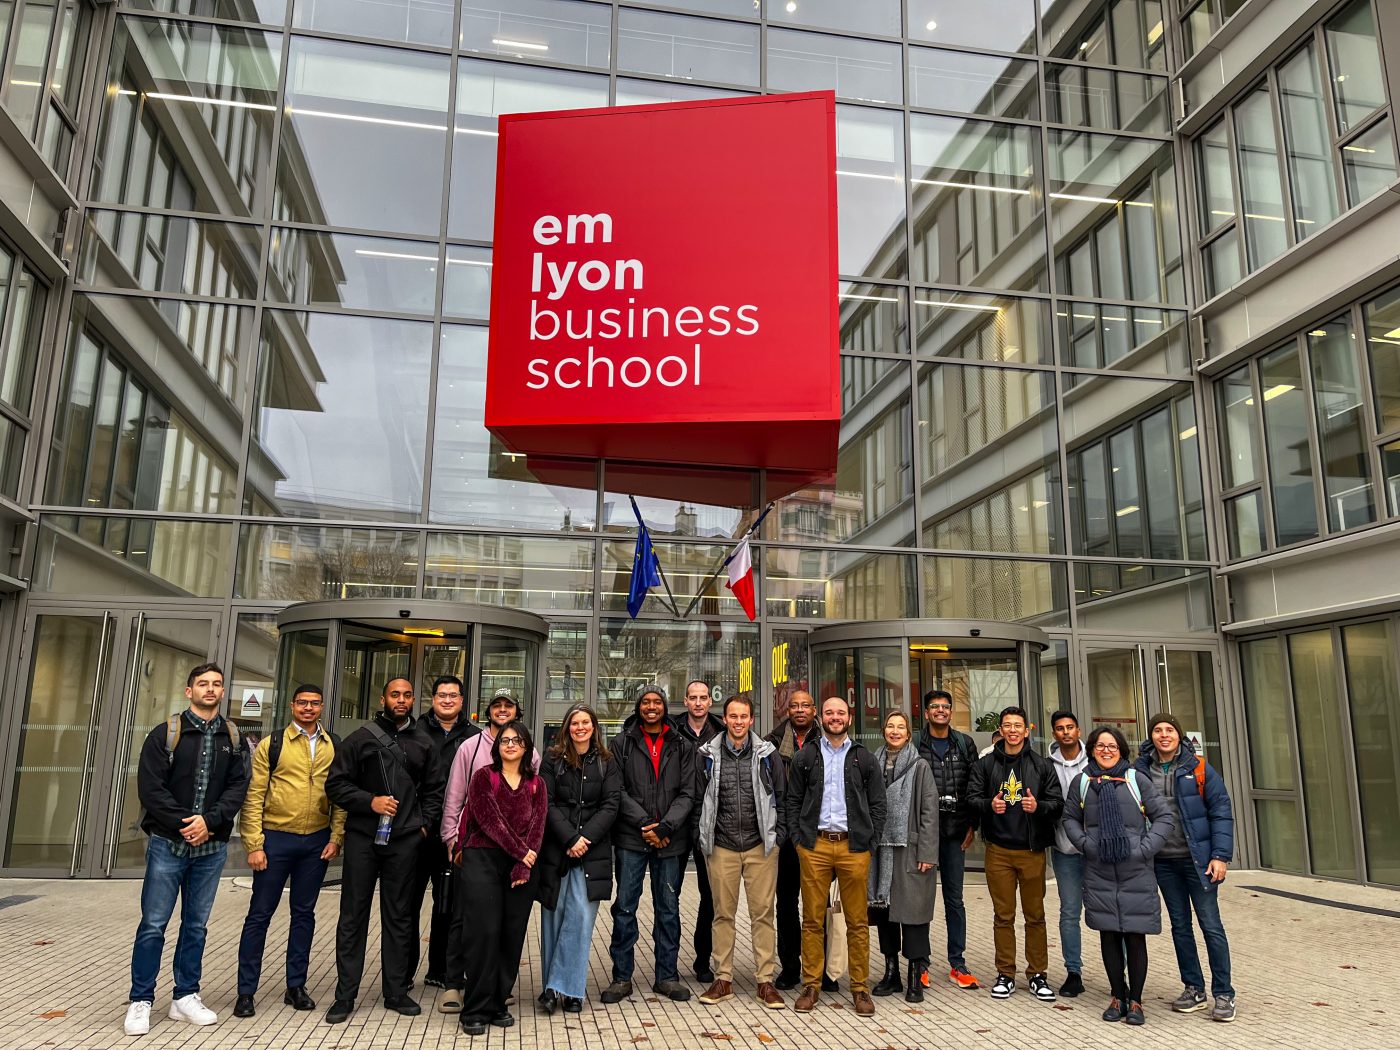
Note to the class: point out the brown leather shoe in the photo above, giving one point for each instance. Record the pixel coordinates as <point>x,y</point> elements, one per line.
<point>769,997</point>
<point>717,993</point>
<point>807,1001</point>
<point>865,1006</point>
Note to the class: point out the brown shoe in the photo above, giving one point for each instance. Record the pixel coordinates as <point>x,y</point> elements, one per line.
<point>769,997</point>
<point>717,993</point>
<point>865,1006</point>
<point>807,1001</point>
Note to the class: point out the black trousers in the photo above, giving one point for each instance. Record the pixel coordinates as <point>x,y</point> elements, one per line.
<point>434,869</point>
<point>498,919</point>
<point>789,912</point>
<point>912,937</point>
<point>705,921</point>
<point>1116,947</point>
<point>392,866</point>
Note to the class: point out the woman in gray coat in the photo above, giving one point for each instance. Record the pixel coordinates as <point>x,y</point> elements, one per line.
<point>903,879</point>
<point>1119,821</point>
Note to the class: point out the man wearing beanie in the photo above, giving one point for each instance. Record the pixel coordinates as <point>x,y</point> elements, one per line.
<point>653,831</point>
<point>1192,864</point>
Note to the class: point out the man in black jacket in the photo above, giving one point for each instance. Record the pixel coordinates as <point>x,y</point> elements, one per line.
<point>443,728</point>
<point>698,726</point>
<point>835,814</point>
<point>653,831</point>
<point>191,780</point>
<point>951,755</point>
<point>1014,795</point>
<point>788,736</point>
<point>381,778</point>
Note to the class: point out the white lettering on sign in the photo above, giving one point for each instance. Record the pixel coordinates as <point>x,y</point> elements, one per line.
<point>554,279</point>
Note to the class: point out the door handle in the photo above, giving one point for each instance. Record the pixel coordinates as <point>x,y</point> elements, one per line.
<point>124,724</point>
<point>103,652</point>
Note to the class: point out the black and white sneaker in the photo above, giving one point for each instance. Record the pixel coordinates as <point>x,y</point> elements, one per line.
<point>1004,988</point>
<point>1040,988</point>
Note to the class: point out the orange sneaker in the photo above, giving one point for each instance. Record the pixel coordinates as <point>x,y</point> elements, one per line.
<point>962,979</point>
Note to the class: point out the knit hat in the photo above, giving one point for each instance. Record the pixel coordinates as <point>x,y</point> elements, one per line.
<point>647,690</point>
<point>1169,719</point>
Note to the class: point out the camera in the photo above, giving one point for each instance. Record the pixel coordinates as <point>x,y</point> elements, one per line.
<point>947,804</point>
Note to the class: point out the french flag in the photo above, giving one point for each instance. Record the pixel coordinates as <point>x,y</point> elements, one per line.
<point>741,577</point>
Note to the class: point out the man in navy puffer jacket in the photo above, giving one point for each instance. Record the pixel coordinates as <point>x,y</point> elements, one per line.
<point>1193,863</point>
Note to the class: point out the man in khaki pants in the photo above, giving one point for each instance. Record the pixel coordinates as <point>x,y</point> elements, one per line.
<point>835,814</point>
<point>741,827</point>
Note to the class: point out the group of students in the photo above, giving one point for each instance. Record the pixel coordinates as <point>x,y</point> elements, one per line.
<point>494,827</point>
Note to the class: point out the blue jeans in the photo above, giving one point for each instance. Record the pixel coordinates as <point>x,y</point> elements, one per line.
<point>1180,882</point>
<point>294,857</point>
<point>1069,881</point>
<point>666,912</point>
<point>566,936</point>
<point>194,880</point>
<point>952,864</point>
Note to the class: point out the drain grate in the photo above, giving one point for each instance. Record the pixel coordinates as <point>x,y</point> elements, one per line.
<point>19,898</point>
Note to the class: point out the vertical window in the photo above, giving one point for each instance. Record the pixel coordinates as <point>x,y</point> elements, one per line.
<point>1375,724</point>
<point>1313,186</point>
<point>1264,234</point>
<point>1341,429</point>
<point>1289,446</point>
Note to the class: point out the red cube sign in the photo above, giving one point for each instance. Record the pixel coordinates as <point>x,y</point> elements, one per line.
<point>664,284</point>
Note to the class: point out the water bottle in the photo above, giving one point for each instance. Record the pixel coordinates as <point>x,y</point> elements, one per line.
<point>386,826</point>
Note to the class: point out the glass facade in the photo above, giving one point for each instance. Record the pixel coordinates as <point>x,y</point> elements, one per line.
<point>243,359</point>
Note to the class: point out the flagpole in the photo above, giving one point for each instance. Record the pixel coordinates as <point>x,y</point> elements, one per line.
<point>675,610</point>
<point>700,591</point>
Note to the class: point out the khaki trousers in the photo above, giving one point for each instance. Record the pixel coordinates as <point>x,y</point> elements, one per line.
<point>851,870</point>
<point>1007,869</point>
<point>759,874</point>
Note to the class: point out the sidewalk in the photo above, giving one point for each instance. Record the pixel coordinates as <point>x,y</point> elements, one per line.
<point>1310,976</point>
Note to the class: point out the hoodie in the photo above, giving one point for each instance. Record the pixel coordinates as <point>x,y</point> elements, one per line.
<point>1067,770</point>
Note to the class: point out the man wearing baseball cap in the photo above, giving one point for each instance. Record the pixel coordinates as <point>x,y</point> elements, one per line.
<point>1192,865</point>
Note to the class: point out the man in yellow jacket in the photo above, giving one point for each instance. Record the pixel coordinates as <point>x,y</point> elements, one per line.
<point>290,831</point>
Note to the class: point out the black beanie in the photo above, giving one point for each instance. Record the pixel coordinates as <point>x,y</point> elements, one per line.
<point>1170,719</point>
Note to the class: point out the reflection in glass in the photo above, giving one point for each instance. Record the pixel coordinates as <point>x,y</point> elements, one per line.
<point>340,421</point>
<point>978,206</point>
<point>710,503</point>
<point>691,569</point>
<point>299,563</point>
<point>1280,834</point>
<point>1106,99</point>
<point>1222,259</point>
<point>402,21</point>
<point>466,289</point>
<point>1322,748</point>
<point>1383,340</point>
<point>565,671</point>
<point>362,273</point>
<point>273,12</point>
<point>1244,521</point>
<point>181,97</point>
<point>476,479</point>
<point>1289,446</point>
<point>1369,162</point>
<point>549,30</point>
<point>632,92</point>
<point>872,17</point>
<point>1217,196</point>
<point>255,642</point>
<point>118,556</point>
<point>1375,723</point>
<point>1261,183</point>
<point>519,572</point>
<point>837,584</point>
<point>1358,84</point>
<point>1030,592</point>
<point>864,70</point>
<point>689,48</point>
<point>964,82</point>
<point>1341,426</point>
<point>164,253</point>
<point>29,66</point>
<point>870,192</point>
<point>363,137</point>
<point>998,25</point>
<point>981,327</point>
<point>1114,678</point>
<point>873,318</point>
<point>485,90</point>
<point>1239,437</point>
<point>21,328</point>
<point>1310,173</point>
<point>1269,712</point>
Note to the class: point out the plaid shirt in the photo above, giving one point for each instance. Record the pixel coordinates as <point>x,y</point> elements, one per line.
<point>209,732</point>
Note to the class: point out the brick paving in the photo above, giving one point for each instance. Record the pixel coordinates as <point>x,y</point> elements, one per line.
<point>1309,976</point>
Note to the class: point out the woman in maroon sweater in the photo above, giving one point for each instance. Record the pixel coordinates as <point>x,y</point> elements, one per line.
<point>498,842</point>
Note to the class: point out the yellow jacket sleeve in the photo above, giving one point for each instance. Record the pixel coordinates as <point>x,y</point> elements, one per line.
<point>251,816</point>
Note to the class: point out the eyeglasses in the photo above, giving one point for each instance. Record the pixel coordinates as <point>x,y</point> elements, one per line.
<point>308,703</point>
<point>512,741</point>
<point>940,707</point>
<point>1106,747</point>
<point>1013,727</point>
<point>447,696</point>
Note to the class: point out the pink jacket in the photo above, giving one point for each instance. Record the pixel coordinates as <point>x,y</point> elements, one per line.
<point>473,755</point>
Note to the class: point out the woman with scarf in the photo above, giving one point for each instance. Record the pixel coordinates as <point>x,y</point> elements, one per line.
<point>1119,821</point>
<point>576,865</point>
<point>903,880</point>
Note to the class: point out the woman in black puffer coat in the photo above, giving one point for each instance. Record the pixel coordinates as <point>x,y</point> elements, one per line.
<point>576,864</point>
<point>1118,821</point>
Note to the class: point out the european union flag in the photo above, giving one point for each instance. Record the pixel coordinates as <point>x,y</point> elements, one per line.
<point>646,573</point>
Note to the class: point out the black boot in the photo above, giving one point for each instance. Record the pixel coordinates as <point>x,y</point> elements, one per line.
<point>915,992</point>
<point>889,984</point>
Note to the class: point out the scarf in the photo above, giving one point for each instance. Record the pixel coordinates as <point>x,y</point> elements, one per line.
<point>899,793</point>
<point>787,743</point>
<point>1114,844</point>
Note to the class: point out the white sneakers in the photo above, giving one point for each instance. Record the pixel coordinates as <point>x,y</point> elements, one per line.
<point>138,1019</point>
<point>192,1009</point>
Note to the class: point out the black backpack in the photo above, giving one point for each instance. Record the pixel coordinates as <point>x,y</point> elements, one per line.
<point>274,748</point>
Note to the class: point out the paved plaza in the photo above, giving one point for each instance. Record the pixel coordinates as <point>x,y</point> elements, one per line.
<point>1311,973</point>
